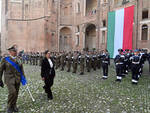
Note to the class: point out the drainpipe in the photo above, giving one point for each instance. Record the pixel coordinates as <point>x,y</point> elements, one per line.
<point>98,20</point>
<point>137,3</point>
<point>22,9</point>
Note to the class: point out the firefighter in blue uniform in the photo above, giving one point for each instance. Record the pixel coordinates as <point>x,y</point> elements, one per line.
<point>135,66</point>
<point>119,63</point>
<point>126,61</point>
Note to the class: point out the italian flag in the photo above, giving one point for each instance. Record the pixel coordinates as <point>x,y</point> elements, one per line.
<point>120,29</point>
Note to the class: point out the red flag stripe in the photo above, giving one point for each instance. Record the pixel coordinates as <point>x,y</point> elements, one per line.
<point>128,27</point>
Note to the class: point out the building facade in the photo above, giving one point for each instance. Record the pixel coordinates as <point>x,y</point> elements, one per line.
<point>58,25</point>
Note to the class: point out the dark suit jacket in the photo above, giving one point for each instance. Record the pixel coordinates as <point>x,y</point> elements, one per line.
<point>46,70</point>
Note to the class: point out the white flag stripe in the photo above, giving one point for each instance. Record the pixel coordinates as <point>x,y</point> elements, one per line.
<point>119,25</point>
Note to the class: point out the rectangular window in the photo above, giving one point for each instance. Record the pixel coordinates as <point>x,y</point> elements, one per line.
<point>104,23</point>
<point>77,40</point>
<point>78,28</point>
<point>103,37</point>
<point>144,14</point>
<point>125,1</point>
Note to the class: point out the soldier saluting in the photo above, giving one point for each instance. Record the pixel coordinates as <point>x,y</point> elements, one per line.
<point>13,73</point>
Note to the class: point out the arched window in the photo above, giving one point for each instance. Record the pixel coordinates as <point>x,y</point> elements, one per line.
<point>144,32</point>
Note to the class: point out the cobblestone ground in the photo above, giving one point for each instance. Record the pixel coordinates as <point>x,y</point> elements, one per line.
<point>87,93</point>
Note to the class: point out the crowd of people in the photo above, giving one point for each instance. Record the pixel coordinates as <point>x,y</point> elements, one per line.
<point>82,61</point>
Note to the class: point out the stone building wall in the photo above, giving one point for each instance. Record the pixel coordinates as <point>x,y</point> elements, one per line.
<point>67,24</point>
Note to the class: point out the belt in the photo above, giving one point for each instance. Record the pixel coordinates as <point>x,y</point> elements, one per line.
<point>136,62</point>
<point>105,61</point>
<point>118,63</point>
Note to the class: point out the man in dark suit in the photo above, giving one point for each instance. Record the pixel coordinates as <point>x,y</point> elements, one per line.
<point>48,74</point>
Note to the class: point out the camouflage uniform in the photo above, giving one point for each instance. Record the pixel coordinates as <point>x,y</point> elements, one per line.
<point>12,80</point>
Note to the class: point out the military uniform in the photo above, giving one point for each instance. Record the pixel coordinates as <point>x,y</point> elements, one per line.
<point>88,62</point>
<point>57,61</point>
<point>135,68</point>
<point>30,58</point>
<point>40,59</point>
<point>34,59</point>
<point>68,62</point>
<point>81,62</point>
<point>119,63</point>
<point>75,63</point>
<point>94,61</point>
<point>99,61</point>
<point>105,62</point>
<point>12,80</point>
<point>62,61</point>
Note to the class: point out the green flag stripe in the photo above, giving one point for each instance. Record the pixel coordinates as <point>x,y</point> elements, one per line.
<point>111,33</point>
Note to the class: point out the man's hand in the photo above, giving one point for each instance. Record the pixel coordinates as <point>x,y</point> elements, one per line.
<point>1,84</point>
<point>43,78</point>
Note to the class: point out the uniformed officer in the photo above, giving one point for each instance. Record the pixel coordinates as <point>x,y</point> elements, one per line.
<point>40,58</point>
<point>62,61</point>
<point>94,61</point>
<point>30,58</point>
<point>99,60</point>
<point>105,62</point>
<point>11,78</point>
<point>68,61</point>
<point>81,61</point>
<point>135,66</point>
<point>57,60</point>
<point>88,61</point>
<point>119,62</point>
<point>75,62</point>
<point>27,58</point>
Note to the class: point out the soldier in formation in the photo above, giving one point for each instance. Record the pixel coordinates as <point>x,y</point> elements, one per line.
<point>105,62</point>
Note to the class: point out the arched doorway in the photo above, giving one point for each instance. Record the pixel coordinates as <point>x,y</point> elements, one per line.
<point>65,40</point>
<point>90,37</point>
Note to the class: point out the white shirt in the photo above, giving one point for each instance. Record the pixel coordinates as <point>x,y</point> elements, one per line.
<point>50,62</point>
<point>13,57</point>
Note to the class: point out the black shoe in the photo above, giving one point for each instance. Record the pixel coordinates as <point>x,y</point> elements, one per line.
<point>118,80</point>
<point>123,75</point>
<point>134,83</point>
<point>50,97</point>
<point>104,78</point>
<point>81,73</point>
<point>44,89</point>
<point>10,110</point>
<point>15,109</point>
